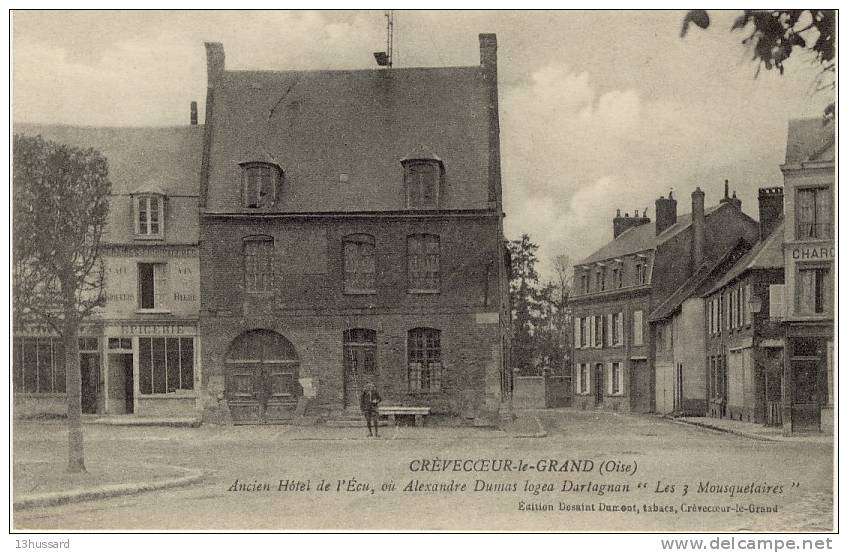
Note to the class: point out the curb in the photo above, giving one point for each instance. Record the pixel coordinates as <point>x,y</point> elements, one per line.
<point>104,492</point>
<point>171,423</point>
<point>723,430</point>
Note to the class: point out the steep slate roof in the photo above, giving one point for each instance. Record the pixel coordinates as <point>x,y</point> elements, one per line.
<point>702,279</point>
<point>644,237</point>
<point>809,139</point>
<point>320,124</point>
<point>766,254</point>
<point>165,159</point>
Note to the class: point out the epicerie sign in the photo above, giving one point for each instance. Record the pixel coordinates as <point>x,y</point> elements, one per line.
<point>155,330</point>
<point>813,252</point>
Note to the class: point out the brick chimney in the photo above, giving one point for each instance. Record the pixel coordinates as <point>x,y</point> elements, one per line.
<point>620,224</point>
<point>771,209</point>
<point>489,63</point>
<point>699,223</point>
<point>666,211</point>
<point>193,115</point>
<point>214,62</point>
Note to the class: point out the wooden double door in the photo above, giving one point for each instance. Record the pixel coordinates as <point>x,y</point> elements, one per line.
<point>262,378</point>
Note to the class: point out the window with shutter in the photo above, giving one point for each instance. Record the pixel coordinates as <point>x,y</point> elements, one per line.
<point>608,321</point>
<point>423,263</point>
<point>637,328</point>
<point>359,265</point>
<point>746,303</point>
<point>258,264</point>
<point>152,285</point>
<point>577,337</point>
<point>259,184</point>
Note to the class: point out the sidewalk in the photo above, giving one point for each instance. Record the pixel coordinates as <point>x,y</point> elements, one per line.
<point>752,430</point>
<point>98,486</point>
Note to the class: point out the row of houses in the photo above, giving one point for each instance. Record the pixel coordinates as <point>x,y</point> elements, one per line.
<point>711,313</point>
<point>320,230</point>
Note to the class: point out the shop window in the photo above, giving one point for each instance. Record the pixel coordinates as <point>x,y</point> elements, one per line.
<point>424,260</point>
<point>152,285</point>
<point>38,365</point>
<point>259,264</point>
<point>359,264</point>
<point>424,350</point>
<point>814,217</point>
<point>165,365</point>
<point>149,215</point>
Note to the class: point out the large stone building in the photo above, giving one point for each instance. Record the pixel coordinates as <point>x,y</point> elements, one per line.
<point>140,353</point>
<point>617,287</point>
<point>810,256</point>
<point>351,232</point>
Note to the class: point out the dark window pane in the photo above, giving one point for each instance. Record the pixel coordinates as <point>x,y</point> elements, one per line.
<point>158,354</point>
<point>145,364</point>
<point>45,365</point>
<point>30,366</point>
<point>187,363</point>
<point>172,357</point>
<point>58,366</point>
<point>145,285</point>
<point>18,364</point>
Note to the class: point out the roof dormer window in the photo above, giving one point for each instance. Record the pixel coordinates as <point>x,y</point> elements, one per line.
<point>423,174</point>
<point>149,215</point>
<point>260,182</point>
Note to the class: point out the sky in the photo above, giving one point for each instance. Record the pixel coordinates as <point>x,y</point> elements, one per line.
<point>599,110</point>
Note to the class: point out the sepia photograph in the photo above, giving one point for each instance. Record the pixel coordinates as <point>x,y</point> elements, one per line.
<point>423,271</point>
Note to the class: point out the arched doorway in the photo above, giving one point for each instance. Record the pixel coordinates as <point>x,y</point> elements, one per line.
<point>262,378</point>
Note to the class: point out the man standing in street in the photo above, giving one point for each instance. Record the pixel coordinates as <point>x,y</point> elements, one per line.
<point>368,403</point>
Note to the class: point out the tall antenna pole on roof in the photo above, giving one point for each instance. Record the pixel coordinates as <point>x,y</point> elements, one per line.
<point>390,34</point>
<point>384,59</point>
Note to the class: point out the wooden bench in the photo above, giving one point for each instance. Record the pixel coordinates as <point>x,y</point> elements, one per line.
<point>392,411</point>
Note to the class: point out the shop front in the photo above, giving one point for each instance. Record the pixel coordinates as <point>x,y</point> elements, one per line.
<point>808,374</point>
<point>151,369</point>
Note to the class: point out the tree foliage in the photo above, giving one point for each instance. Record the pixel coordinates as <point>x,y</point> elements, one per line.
<point>540,324</point>
<point>774,35</point>
<point>60,206</point>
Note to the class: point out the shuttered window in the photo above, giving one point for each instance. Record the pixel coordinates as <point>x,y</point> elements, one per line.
<point>152,285</point>
<point>259,264</point>
<point>359,264</point>
<point>638,338</point>
<point>424,263</point>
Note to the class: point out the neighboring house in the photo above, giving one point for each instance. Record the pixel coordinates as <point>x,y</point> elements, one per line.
<point>141,353</point>
<point>351,232</point>
<point>679,346</point>
<point>810,257</point>
<point>618,286</point>
<point>744,345</point>
<point>709,354</point>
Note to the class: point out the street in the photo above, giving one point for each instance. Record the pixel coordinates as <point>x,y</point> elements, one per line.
<point>662,476</point>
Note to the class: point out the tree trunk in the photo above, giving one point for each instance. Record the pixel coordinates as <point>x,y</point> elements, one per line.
<point>73,386</point>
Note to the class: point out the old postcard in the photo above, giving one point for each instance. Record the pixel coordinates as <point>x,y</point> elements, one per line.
<point>423,270</point>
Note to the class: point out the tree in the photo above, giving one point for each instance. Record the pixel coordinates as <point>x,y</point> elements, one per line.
<point>525,301</point>
<point>60,206</point>
<point>774,35</point>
